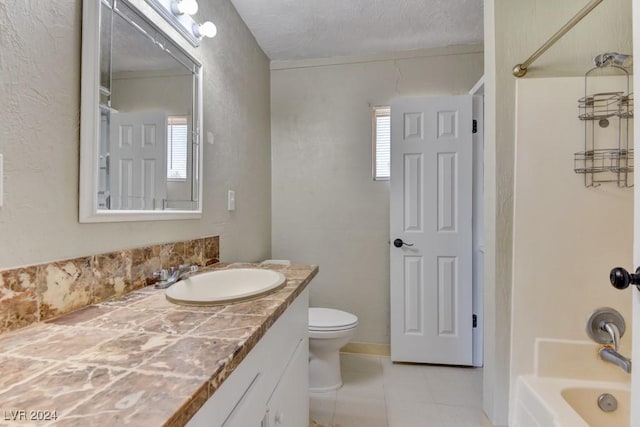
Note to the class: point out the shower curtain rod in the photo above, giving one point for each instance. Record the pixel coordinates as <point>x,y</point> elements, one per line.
<point>521,69</point>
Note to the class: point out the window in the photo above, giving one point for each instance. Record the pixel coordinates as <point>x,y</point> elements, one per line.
<point>381,143</point>
<point>177,131</point>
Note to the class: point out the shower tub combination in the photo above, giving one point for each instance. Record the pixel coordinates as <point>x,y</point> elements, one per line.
<point>571,387</point>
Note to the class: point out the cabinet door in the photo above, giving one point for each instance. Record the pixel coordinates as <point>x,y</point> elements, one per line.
<point>288,406</point>
<point>239,403</point>
<point>249,410</point>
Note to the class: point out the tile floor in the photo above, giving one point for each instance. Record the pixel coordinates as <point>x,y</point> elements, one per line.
<point>378,393</point>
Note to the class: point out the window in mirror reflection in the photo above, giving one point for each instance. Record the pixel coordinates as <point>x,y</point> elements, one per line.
<point>177,149</point>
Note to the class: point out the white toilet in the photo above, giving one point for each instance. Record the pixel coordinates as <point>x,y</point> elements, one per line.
<point>329,330</point>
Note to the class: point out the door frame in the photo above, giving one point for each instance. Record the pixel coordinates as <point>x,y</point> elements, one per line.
<point>635,374</point>
<point>477,92</point>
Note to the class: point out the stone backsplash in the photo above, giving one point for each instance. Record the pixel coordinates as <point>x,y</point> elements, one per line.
<point>39,292</point>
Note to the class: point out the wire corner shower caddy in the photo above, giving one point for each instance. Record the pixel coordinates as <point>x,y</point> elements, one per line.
<point>607,116</point>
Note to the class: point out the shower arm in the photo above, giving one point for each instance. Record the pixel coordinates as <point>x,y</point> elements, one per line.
<point>521,69</point>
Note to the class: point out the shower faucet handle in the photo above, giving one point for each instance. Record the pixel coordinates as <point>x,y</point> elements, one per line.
<point>621,278</point>
<point>606,326</point>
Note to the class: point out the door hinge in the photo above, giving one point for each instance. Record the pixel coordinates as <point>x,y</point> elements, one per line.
<point>475,321</point>
<point>474,128</point>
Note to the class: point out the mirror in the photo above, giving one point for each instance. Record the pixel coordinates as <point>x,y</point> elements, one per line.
<point>140,156</point>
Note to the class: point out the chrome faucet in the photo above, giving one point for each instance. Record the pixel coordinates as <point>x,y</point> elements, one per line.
<point>606,326</point>
<point>612,356</point>
<point>173,275</point>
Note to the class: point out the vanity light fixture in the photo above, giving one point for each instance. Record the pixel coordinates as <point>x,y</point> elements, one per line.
<point>181,7</point>
<point>207,29</point>
<point>613,58</point>
<point>178,14</point>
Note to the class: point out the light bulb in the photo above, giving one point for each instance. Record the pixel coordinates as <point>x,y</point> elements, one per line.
<point>208,29</point>
<point>180,7</point>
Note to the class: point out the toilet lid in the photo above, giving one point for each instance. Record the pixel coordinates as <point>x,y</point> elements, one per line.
<point>328,319</point>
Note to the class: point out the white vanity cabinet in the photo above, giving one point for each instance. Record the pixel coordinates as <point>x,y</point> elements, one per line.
<point>270,387</point>
<point>286,407</point>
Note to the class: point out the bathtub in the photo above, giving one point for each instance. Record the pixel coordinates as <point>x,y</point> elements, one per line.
<point>565,402</point>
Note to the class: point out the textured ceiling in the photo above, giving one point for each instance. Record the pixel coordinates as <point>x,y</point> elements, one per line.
<point>300,29</point>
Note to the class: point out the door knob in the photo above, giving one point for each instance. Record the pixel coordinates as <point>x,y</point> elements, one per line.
<point>621,278</point>
<point>398,243</point>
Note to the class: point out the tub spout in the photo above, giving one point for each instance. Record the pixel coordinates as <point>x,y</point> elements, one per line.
<point>610,355</point>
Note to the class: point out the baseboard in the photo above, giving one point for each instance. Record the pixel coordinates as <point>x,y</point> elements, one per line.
<point>367,348</point>
<point>484,422</point>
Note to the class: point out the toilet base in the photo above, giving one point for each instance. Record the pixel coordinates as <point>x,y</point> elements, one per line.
<point>324,359</point>
<point>324,371</point>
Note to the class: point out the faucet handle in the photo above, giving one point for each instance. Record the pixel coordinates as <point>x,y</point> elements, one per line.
<point>605,326</point>
<point>161,274</point>
<point>614,332</point>
<point>187,268</point>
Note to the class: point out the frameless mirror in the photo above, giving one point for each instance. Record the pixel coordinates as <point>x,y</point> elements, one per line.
<point>141,117</point>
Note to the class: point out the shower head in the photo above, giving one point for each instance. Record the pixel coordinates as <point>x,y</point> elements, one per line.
<point>614,58</point>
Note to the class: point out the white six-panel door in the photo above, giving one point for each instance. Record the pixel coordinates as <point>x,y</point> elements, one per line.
<point>138,153</point>
<point>431,209</point>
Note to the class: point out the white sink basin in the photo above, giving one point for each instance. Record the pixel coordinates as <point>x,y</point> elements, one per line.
<point>225,286</point>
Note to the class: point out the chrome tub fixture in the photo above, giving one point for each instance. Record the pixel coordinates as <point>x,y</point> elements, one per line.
<point>606,326</point>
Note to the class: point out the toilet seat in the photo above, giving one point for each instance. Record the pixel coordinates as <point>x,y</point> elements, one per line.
<point>328,319</point>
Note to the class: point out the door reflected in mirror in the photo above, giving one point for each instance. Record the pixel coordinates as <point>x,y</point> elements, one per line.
<point>146,147</point>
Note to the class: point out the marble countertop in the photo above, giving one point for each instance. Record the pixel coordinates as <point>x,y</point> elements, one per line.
<point>136,360</point>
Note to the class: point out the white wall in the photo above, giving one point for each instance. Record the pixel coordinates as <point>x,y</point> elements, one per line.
<point>327,210</point>
<point>147,91</point>
<point>39,138</point>
<point>566,237</point>
<point>513,30</point>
